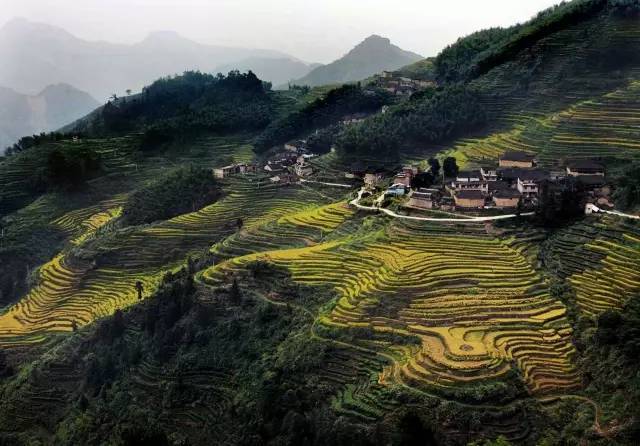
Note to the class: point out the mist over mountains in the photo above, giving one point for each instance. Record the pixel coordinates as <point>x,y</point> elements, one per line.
<point>36,55</point>
<point>50,109</point>
<point>46,71</point>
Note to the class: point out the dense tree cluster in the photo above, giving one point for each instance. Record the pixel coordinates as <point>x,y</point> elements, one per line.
<point>322,140</point>
<point>447,113</point>
<point>627,193</point>
<point>184,190</point>
<point>187,104</point>
<point>560,202</point>
<point>322,112</point>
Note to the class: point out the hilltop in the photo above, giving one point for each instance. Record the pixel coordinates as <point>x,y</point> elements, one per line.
<point>371,56</point>
<point>150,301</point>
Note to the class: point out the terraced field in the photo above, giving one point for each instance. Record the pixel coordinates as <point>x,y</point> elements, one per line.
<point>601,260</point>
<point>73,288</point>
<point>473,320</point>
<point>591,113</point>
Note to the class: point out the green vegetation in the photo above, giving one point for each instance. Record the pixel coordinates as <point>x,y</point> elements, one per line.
<point>436,119</point>
<point>282,315</point>
<point>627,194</point>
<point>182,191</point>
<point>187,105</point>
<point>478,53</point>
<point>322,112</point>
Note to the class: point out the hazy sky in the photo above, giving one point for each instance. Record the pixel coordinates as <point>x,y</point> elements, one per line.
<point>313,30</point>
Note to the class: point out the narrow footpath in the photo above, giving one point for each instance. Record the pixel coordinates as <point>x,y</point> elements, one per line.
<point>356,202</point>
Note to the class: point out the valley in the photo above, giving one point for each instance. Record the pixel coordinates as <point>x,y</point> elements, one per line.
<point>406,260</point>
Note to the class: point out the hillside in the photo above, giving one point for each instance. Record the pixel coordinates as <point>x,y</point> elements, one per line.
<point>371,56</point>
<point>49,110</point>
<point>147,302</point>
<point>35,55</point>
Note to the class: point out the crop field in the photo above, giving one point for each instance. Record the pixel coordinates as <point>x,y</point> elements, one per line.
<point>592,115</point>
<point>78,287</point>
<point>475,303</point>
<point>601,261</point>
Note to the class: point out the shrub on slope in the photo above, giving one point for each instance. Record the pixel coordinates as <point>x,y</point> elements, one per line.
<point>184,190</point>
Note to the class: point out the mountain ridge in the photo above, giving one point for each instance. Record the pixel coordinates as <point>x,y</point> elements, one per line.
<point>373,55</point>
<point>36,55</point>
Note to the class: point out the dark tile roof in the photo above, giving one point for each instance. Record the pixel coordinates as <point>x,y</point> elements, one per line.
<point>507,193</point>
<point>513,173</point>
<point>469,174</point>
<point>585,165</point>
<point>591,180</point>
<point>533,175</point>
<point>470,194</point>
<point>498,185</point>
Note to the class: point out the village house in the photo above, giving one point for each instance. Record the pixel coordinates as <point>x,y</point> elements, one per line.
<point>470,180</point>
<point>403,178</point>
<point>411,170</point>
<point>226,171</point>
<point>371,180</point>
<point>592,182</point>
<point>301,168</point>
<point>585,168</point>
<point>401,86</point>
<point>469,199</point>
<point>489,173</point>
<point>522,160</point>
<point>274,167</point>
<point>469,176</point>
<point>284,179</point>
<point>529,182</point>
<point>447,204</point>
<point>421,200</point>
<point>234,169</point>
<point>397,190</point>
<point>507,198</point>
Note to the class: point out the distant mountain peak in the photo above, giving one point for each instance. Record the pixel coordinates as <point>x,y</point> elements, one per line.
<point>376,39</point>
<point>373,55</point>
<point>21,27</point>
<point>164,35</point>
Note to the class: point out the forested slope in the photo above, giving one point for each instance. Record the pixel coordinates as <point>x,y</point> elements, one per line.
<point>281,315</point>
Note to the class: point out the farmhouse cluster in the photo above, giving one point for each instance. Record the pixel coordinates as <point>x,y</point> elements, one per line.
<point>401,86</point>
<point>514,182</point>
<point>284,168</point>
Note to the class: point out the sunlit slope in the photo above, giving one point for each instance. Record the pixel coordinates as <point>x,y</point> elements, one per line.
<point>606,126</point>
<point>473,300</point>
<point>601,261</point>
<point>574,94</point>
<point>98,276</point>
